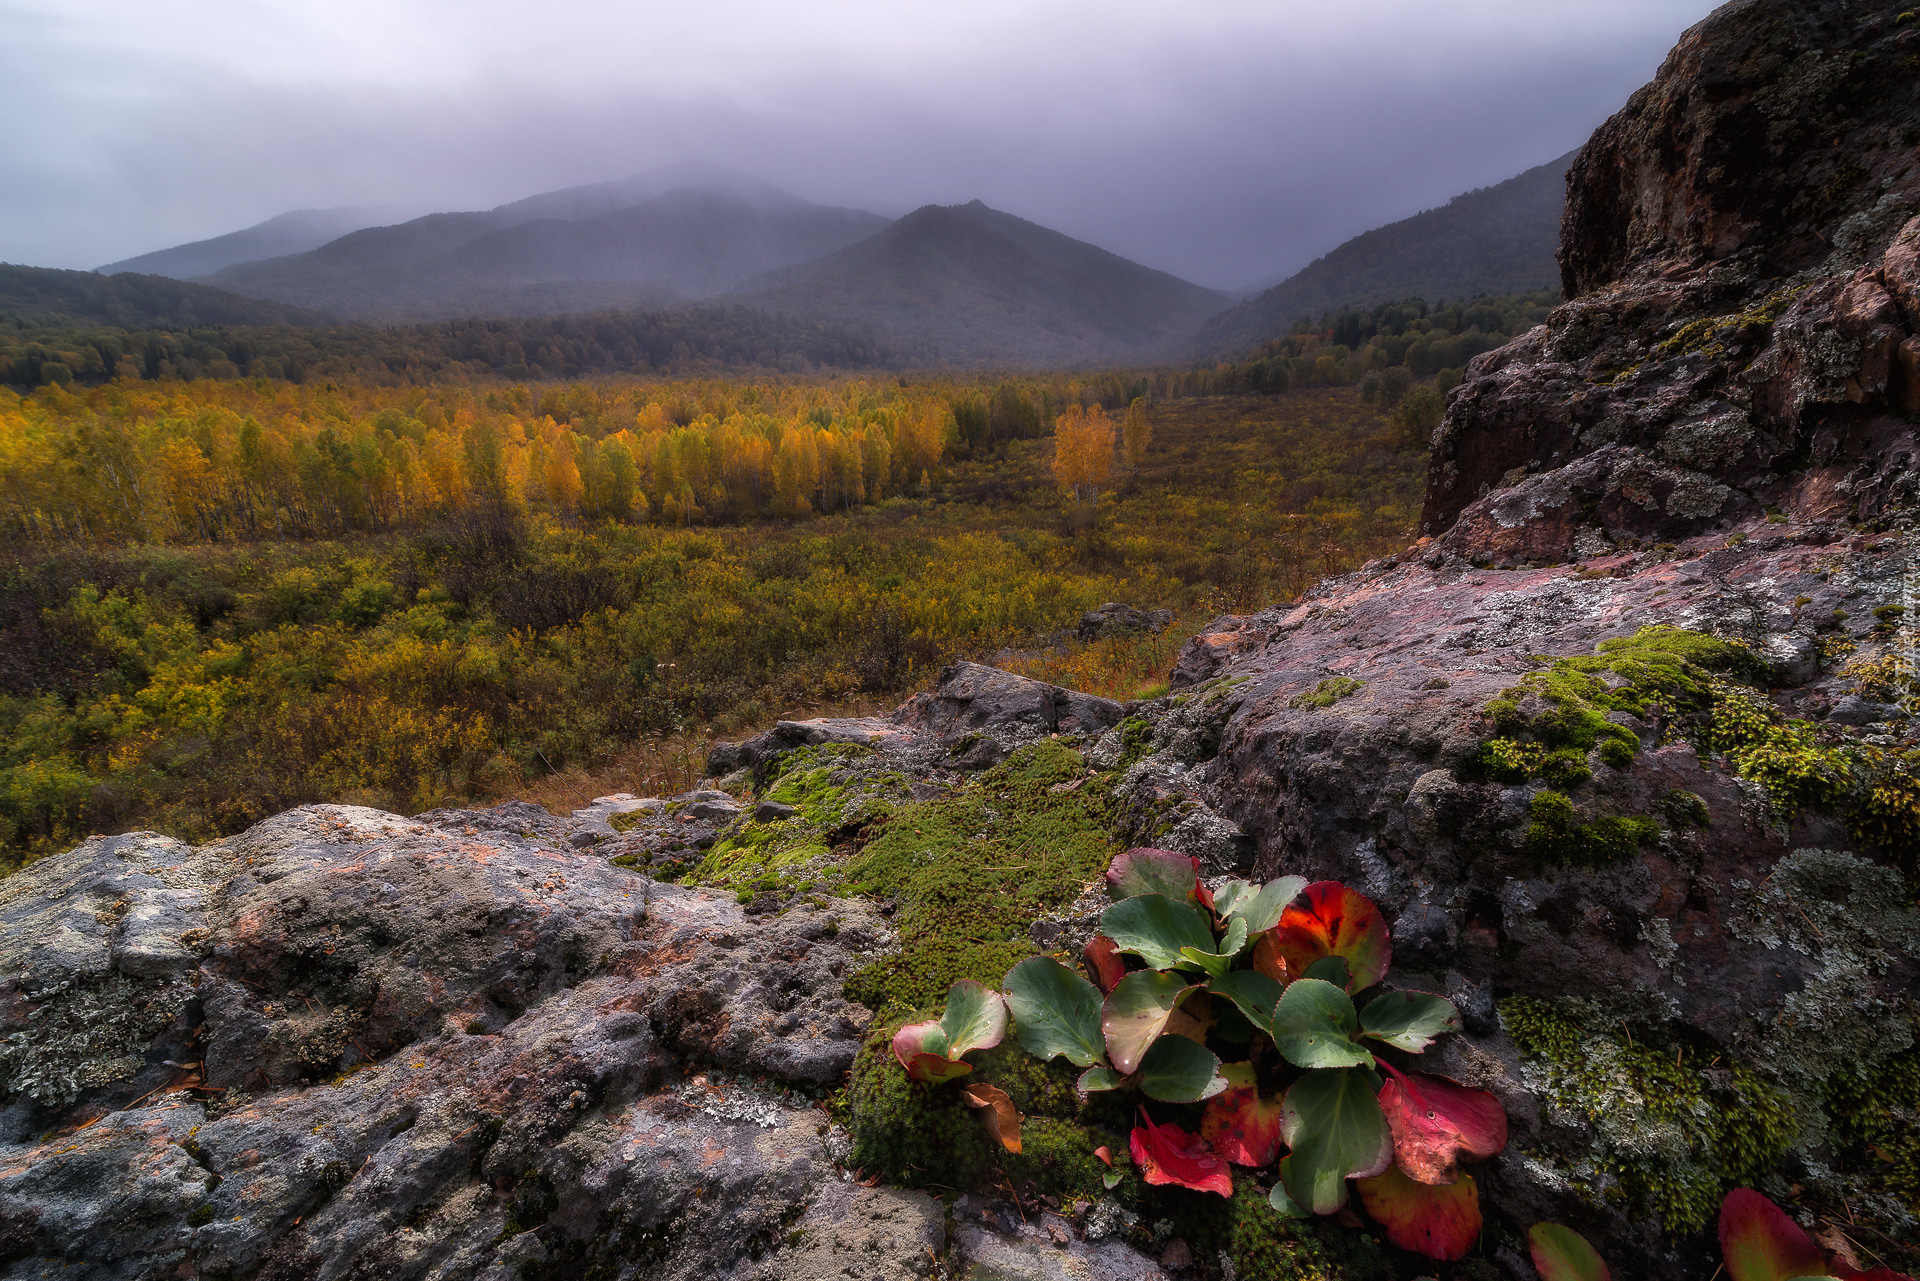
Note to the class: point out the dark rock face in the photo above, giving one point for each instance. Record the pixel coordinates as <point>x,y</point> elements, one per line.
<point>1739,255</point>
<point>1114,619</point>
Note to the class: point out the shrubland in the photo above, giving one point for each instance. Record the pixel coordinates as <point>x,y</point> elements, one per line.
<point>221,599</point>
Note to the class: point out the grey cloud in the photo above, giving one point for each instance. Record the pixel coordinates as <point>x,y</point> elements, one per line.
<point>1222,145</point>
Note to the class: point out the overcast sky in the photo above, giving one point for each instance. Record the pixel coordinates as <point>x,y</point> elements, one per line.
<point>1225,141</point>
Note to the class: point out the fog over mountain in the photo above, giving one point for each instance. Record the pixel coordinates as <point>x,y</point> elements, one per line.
<point>674,233</point>
<point>1223,143</point>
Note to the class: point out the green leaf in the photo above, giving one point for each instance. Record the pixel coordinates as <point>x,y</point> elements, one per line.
<point>1280,1201</point>
<point>1331,969</point>
<point>976,1018</point>
<point>1207,961</point>
<point>1136,1012</point>
<point>1112,1179</point>
<point>1333,1125</point>
<point>1259,906</point>
<point>1178,1070</point>
<point>1252,992</point>
<point>1055,1012</point>
<point>1410,1021</point>
<point>1313,1027</point>
<point>1096,1079</point>
<point>1154,928</point>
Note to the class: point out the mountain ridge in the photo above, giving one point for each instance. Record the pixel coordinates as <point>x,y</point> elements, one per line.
<point>1494,240</point>
<point>978,284</point>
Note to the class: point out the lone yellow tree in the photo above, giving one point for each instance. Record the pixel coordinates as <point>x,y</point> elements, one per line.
<point>1134,433</point>
<point>1083,451</point>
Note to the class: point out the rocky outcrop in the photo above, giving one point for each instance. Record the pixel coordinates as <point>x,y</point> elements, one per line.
<point>1741,334</point>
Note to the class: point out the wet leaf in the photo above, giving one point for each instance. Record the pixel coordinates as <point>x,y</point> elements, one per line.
<point>1259,906</point>
<point>1105,962</point>
<point>1177,1070</point>
<point>1167,1154</point>
<point>1435,1122</point>
<point>1253,993</point>
<point>976,1018</point>
<point>1136,1013</point>
<point>1055,1012</point>
<point>996,1113</point>
<point>1333,1125</point>
<point>1439,1221</point>
<point>1096,1079</point>
<point>1313,1026</point>
<point>1759,1242</point>
<point>1409,1021</point>
<point>1241,1125</point>
<point>1331,920</point>
<point>1150,871</point>
<point>1561,1254</point>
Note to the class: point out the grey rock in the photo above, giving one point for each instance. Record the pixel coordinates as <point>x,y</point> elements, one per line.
<point>772,812</point>
<point>971,697</point>
<point>534,1037</point>
<point>862,1234</point>
<point>1854,710</point>
<point>1030,1253</point>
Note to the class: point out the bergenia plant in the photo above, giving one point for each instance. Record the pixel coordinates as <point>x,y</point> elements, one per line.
<point>1275,968</point>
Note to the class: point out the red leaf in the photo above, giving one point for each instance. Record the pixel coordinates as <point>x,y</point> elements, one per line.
<point>1149,871</point>
<point>1267,960</point>
<point>921,1049</point>
<point>1561,1254</point>
<point>1328,919</point>
<point>1436,1122</point>
<point>1242,1126</point>
<point>1758,1242</point>
<point>1168,1154</point>
<point>1105,962</point>
<point>996,1112</point>
<point>1104,1154</point>
<point>936,1068</point>
<point>1439,1221</point>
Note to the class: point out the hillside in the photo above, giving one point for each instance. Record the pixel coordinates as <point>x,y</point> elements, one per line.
<point>41,297</point>
<point>1496,240</point>
<point>617,244</point>
<point>290,233</point>
<point>973,285</point>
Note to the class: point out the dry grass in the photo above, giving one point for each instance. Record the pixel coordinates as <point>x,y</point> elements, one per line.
<point>662,764</point>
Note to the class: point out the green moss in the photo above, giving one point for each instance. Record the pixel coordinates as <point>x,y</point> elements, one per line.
<point>971,872</point>
<point>1136,740</point>
<point>1669,1137</point>
<point>831,793</point>
<point>1555,834</point>
<point>1876,1126</point>
<point>1263,1245</point>
<point>1783,756</point>
<point>200,1215</point>
<point>919,1135</point>
<point>1328,692</point>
